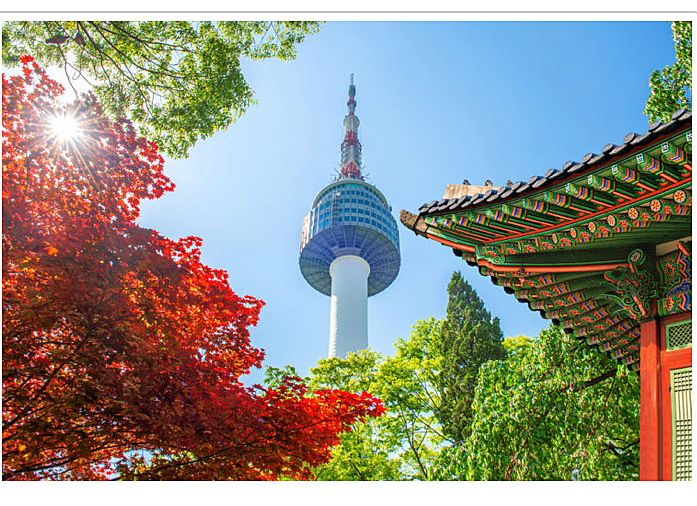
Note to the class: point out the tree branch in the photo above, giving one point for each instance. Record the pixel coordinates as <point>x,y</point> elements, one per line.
<point>43,387</point>
<point>360,474</point>
<point>589,383</point>
<point>125,57</point>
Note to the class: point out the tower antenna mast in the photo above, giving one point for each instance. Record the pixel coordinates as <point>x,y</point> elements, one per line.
<point>351,149</point>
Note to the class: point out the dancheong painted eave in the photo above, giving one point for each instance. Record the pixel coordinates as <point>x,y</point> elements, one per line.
<point>597,246</point>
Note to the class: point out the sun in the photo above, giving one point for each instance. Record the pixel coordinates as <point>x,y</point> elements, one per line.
<point>65,128</point>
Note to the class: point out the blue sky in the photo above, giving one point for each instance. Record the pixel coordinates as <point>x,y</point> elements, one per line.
<point>438,102</point>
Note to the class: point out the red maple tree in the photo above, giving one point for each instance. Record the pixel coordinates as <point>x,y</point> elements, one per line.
<point>122,352</point>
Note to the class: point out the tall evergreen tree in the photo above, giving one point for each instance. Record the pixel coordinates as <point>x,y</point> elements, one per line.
<point>469,338</point>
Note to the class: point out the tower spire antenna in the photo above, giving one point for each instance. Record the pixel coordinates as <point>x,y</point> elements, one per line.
<point>351,147</point>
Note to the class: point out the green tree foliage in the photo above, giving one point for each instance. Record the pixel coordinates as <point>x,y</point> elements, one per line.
<point>365,455</point>
<point>559,411</point>
<point>469,338</point>
<point>671,88</point>
<point>179,81</point>
<point>403,443</point>
<point>516,346</point>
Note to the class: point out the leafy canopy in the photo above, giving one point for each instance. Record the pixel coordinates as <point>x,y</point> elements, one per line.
<point>121,351</point>
<point>179,81</point>
<point>671,87</point>
<point>401,444</point>
<point>557,411</point>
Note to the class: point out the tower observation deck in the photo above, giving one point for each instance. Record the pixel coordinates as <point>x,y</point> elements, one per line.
<point>349,247</point>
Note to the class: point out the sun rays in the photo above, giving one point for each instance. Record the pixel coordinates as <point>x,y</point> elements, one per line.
<point>65,128</point>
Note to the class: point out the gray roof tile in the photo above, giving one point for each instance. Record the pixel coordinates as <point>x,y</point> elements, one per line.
<point>539,182</point>
<point>522,188</point>
<point>629,137</point>
<point>642,139</point>
<point>479,198</point>
<point>454,204</point>
<point>494,196</point>
<point>609,147</point>
<point>679,113</point>
<point>598,159</point>
<point>619,150</point>
<point>576,167</point>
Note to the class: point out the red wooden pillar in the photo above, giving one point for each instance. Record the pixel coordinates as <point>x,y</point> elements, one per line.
<point>650,464</point>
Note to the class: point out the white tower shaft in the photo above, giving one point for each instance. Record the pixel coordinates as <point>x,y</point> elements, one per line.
<point>348,320</point>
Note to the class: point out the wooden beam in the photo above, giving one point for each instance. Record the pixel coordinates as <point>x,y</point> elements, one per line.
<point>650,462</point>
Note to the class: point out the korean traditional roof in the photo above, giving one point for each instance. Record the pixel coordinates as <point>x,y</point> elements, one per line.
<point>579,243</point>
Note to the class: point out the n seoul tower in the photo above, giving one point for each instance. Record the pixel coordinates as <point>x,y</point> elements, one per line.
<point>349,247</point>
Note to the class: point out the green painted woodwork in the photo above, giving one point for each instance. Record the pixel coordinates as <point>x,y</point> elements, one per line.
<point>674,271</point>
<point>600,228</point>
<point>602,319</point>
<point>679,335</point>
<point>675,304</point>
<point>636,285</point>
<point>567,200</point>
<point>681,418</point>
<point>586,193</point>
<point>577,311</point>
<point>670,153</point>
<point>544,212</point>
<point>565,287</point>
<point>625,190</point>
<point>582,256</point>
<point>532,279</point>
<point>514,280</point>
<point>617,348</point>
<point>688,142</point>
<point>607,331</point>
<point>485,221</point>
<point>642,181</point>
<point>675,274</point>
<point>566,299</point>
<point>671,228</point>
<point>650,165</point>
<point>507,221</point>
<point>621,219</point>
